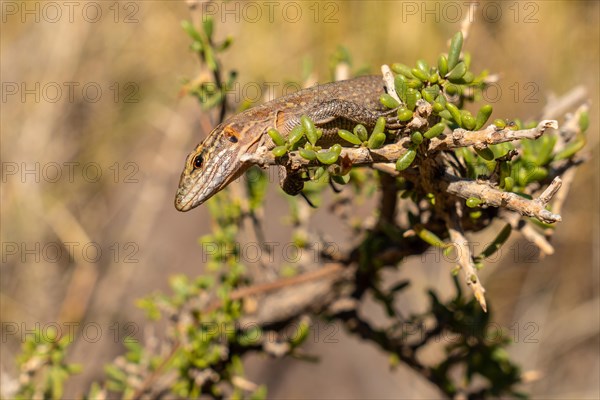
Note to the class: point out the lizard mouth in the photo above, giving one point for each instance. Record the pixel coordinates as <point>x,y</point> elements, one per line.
<point>192,194</point>
<point>181,204</point>
<point>187,196</point>
<point>195,190</point>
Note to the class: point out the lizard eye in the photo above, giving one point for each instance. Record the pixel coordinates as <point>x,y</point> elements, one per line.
<point>198,161</point>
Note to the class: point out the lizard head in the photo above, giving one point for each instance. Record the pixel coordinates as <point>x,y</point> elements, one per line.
<point>212,165</point>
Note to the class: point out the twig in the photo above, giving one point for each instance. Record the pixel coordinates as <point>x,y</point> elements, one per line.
<point>356,156</point>
<point>487,136</point>
<point>391,152</point>
<point>388,78</point>
<point>465,258</point>
<point>558,106</point>
<point>354,324</point>
<point>550,191</point>
<point>481,190</point>
<point>141,389</point>
<point>342,71</point>
<point>465,25</point>
<point>561,196</point>
<point>388,168</point>
<point>389,199</point>
<point>216,72</point>
<point>263,288</point>
<point>570,128</point>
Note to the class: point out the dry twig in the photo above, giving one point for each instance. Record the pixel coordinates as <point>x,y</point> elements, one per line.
<point>465,258</point>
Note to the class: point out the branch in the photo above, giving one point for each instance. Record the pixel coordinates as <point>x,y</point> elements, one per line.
<point>570,128</point>
<point>465,258</point>
<point>356,156</point>
<point>390,153</point>
<point>388,78</point>
<point>327,271</point>
<point>354,324</point>
<point>467,188</point>
<point>490,135</point>
<point>489,195</point>
<point>561,196</point>
<point>560,105</point>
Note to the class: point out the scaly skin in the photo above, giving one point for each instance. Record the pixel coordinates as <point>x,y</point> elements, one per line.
<point>215,162</point>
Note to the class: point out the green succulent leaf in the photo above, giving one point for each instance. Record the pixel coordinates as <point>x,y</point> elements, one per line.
<point>401,86</point>
<point>571,149</point>
<point>310,129</point>
<point>455,113</point>
<point>457,72</point>
<point>420,74</point>
<point>455,48</point>
<point>486,153</point>
<point>584,121</point>
<point>276,136</point>
<point>435,130</point>
<point>406,160</point>
<point>404,114</point>
<point>361,132</point>
<point>443,65</point>
<point>307,154</point>
<point>482,116</point>
<point>296,134</point>
<point>402,69</point>
<point>473,202</point>
<point>416,138</point>
<point>423,66</point>
<point>327,157</point>
<point>500,123</point>
<point>500,239</point>
<point>376,140</point>
<point>412,96</point>
<point>388,101</point>
<point>349,137</point>
<point>279,151</point>
<point>379,126</point>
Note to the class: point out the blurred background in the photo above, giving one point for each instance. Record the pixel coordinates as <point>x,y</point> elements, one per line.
<point>95,130</point>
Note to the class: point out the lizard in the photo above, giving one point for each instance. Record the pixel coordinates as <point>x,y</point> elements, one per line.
<point>215,162</point>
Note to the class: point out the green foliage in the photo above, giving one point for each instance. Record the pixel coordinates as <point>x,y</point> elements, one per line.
<point>42,364</point>
<point>325,162</point>
<point>209,93</point>
<point>475,344</point>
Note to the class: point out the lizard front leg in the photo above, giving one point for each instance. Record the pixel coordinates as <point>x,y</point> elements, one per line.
<point>291,182</point>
